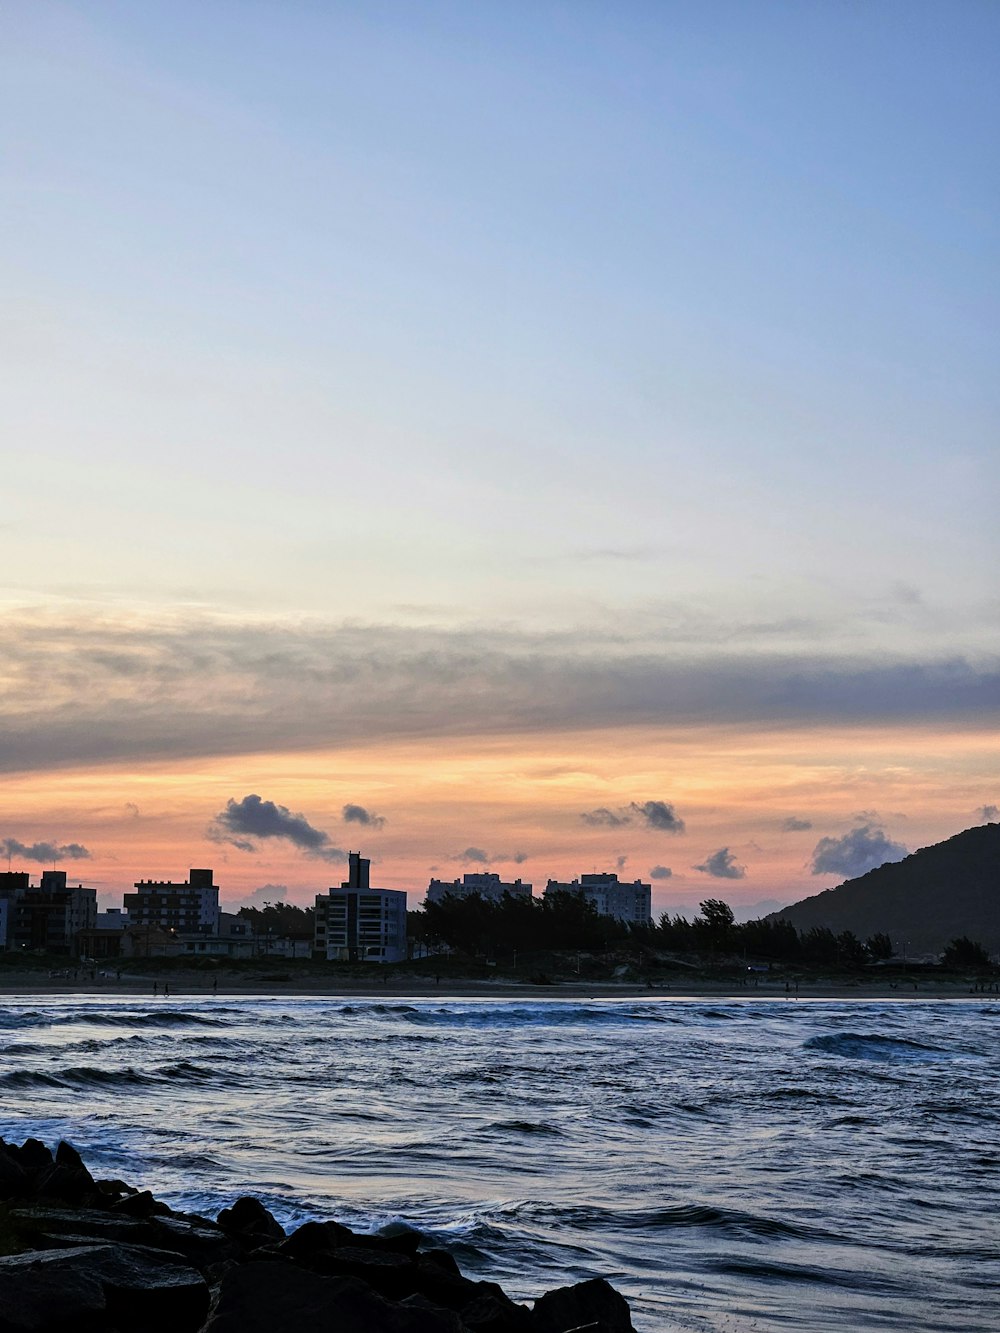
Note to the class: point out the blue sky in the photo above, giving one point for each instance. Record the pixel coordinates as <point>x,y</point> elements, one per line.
<point>668,329</point>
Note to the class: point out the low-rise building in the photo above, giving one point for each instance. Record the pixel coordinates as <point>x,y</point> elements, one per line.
<point>359,924</point>
<point>189,908</point>
<point>104,938</point>
<point>487,885</point>
<point>625,902</point>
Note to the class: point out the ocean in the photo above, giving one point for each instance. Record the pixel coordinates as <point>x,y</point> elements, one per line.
<point>730,1165</point>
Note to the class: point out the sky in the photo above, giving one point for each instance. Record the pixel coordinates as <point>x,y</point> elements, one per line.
<point>535,437</point>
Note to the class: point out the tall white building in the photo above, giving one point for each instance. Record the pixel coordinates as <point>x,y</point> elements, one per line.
<point>359,924</point>
<point>487,885</point>
<point>625,902</point>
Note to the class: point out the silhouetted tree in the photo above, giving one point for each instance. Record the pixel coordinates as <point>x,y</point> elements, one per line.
<point>284,919</point>
<point>879,945</point>
<point>963,952</point>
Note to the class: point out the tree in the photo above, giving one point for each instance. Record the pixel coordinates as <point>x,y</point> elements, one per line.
<point>717,915</point>
<point>879,945</point>
<point>963,952</point>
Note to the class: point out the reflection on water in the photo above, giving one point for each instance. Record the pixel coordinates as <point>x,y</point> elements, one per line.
<point>731,1166</point>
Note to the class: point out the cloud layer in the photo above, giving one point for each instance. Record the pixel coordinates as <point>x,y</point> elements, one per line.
<point>252,820</point>
<point>857,852</point>
<point>129,689</point>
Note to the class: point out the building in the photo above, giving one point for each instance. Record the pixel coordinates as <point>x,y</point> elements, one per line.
<point>191,908</point>
<point>625,902</point>
<point>12,883</point>
<point>104,938</point>
<point>359,924</point>
<point>52,916</point>
<point>488,886</point>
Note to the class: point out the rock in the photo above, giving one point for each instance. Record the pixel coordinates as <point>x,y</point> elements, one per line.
<point>97,1287</point>
<point>50,1292</point>
<point>321,1237</point>
<point>444,1259</point>
<point>249,1222</point>
<point>489,1314</point>
<point>13,1178</point>
<point>278,1297</point>
<point>201,1243</point>
<point>137,1204</point>
<point>151,1291</point>
<point>594,1304</point>
<point>391,1275</point>
<point>30,1222</point>
<point>67,1155</point>
<point>33,1156</point>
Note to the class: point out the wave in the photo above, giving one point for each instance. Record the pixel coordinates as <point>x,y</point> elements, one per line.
<point>76,1076</point>
<point>92,1076</point>
<point>555,1013</point>
<point>680,1217</point>
<point>871,1046</point>
<point>525,1127</point>
<point>153,1018</point>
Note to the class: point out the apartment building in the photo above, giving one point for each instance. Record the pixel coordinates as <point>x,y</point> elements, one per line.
<point>625,902</point>
<point>50,916</point>
<point>189,908</point>
<point>488,886</point>
<point>359,924</point>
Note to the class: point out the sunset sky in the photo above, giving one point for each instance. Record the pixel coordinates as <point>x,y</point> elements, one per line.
<point>530,436</point>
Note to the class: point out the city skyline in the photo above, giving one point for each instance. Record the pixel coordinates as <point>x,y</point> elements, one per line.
<point>514,437</point>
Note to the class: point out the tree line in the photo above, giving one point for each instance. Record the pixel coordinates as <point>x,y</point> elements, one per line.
<point>567,921</point>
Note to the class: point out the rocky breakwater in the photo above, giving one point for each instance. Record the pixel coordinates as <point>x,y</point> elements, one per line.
<point>79,1255</point>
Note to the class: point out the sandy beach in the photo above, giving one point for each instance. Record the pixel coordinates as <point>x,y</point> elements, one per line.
<point>196,985</point>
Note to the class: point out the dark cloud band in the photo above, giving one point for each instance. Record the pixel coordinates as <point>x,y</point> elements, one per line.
<point>118,690</point>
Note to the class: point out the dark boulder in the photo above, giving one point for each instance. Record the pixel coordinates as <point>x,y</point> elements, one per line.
<point>33,1156</point>
<point>202,1243</point>
<point>50,1292</point>
<point>279,1297</point>
<point>249,1222</point>
<point>99,1287</point>
<point>137,1204</point>
<point>490,1313</point>
<point>13,1178</point>
<point>321,1237</point>
<point>594,1304</point>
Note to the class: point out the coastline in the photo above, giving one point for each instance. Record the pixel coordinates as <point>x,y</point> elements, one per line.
<point>193,986</point>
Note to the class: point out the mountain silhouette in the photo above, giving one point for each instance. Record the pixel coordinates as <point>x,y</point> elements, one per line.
<point>922,902</point>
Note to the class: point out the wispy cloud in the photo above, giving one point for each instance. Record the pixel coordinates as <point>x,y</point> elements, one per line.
<point>857,852</point>
<point>988,813</point>
<point>123,689</point>
<point>795,825</point>
<point>246,823</point>
<point>44,852</point>
<point>660,872</point>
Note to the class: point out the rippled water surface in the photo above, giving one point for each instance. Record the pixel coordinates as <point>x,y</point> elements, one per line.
<point>733,1165</point>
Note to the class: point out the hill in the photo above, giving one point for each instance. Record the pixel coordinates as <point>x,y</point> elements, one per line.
<point>921,902</point>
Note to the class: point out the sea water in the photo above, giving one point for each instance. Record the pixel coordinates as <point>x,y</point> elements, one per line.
<point>728,1165</point>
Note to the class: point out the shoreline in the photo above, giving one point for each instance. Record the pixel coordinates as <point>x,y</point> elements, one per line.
<point>183,988</point>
